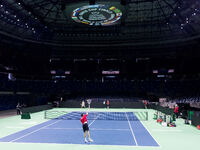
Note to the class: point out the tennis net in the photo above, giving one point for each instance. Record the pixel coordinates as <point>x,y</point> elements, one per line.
<point>76,115</point>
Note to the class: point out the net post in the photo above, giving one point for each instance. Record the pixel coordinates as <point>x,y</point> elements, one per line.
<point>147,116</point>
<point>45,113</point>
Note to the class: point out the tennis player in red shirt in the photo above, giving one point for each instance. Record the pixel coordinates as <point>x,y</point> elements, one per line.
<point>85,127</point>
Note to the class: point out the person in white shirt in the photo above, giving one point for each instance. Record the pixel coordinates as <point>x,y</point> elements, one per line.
<point>83,104</point>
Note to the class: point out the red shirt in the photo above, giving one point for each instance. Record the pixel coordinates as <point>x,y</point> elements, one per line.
<point>108,102</point>
<point>176,109</point>
<point>84,119</point>
<point>145,102</point>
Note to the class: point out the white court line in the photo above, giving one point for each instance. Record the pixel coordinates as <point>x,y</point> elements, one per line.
<point>131,130</point>
<point>84,144</point>
<point>148,131</point>
<point>109,129</point>
<point>34,131</point>
<point>90,128</point>
<point>94,120</point>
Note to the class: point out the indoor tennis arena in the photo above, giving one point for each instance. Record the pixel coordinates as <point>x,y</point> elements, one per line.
<point>99,74</point>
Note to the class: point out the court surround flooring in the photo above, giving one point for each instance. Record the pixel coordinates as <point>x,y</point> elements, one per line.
<point>182,137</point>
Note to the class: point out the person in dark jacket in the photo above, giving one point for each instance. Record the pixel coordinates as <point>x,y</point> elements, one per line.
<point>18,108</point>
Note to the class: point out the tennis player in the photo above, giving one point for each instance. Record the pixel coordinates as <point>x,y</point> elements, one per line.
<point>85,127</point>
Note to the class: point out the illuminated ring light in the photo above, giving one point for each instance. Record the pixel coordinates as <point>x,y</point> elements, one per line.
<point>97,15</point>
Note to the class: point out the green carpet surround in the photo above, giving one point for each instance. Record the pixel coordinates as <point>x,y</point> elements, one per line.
<point>182,137</point>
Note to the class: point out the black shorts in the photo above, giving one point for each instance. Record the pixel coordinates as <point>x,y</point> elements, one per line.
<point>85,127</point>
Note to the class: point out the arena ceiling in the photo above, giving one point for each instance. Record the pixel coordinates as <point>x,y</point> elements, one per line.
<point>142,22</point>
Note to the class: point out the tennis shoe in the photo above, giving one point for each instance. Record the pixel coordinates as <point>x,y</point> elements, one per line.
<point>90,140</point>
<point>86,141</point>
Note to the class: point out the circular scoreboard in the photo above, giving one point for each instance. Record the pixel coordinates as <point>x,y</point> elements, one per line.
<point>97,15</point>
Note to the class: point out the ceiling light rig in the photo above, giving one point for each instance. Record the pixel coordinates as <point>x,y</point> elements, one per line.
<point>135,19</point>
<point>97,15</point>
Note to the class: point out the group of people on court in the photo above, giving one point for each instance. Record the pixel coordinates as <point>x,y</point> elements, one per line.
<point>106,103</point>
<point>88,102</point>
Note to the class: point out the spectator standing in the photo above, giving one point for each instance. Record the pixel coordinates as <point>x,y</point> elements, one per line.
<point>18,108</point>
<point>83,104</point>
<point>104,104</point>
<point>108,103</point>
<point>145,104</point>
<point>176,110</point>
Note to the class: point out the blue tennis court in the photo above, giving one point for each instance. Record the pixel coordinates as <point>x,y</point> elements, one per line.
<point>103,132</point>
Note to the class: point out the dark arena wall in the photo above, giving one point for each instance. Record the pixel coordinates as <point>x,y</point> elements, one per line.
<point>99,104</point>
